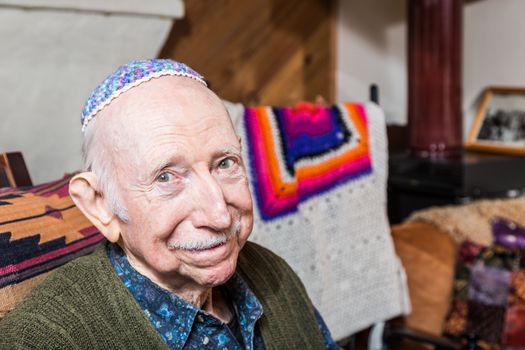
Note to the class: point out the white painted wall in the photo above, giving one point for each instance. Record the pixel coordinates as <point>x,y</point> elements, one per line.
<point>50,60</point>
<point>372,49</point>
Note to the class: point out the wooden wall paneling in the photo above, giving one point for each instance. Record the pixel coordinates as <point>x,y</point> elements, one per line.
<point>260,51</point>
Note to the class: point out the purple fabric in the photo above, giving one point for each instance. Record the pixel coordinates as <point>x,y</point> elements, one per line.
<point>508,234</point>
<point>489,285</point>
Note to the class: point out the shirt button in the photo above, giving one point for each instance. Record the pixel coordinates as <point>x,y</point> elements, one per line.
<point>200,318</point>
<point>206,340</point>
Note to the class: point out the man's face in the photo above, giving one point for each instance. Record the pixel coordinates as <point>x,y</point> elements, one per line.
<point>182,180</point>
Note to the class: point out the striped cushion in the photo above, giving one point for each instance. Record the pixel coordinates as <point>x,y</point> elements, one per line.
<point>40,230</point>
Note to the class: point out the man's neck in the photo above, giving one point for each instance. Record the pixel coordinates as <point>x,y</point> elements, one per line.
<point>213,301</point>
<point>221,306</point>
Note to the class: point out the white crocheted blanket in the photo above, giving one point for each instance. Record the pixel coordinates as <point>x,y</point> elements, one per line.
<point>318,177</point>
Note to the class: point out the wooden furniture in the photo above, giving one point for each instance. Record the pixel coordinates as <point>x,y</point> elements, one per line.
<point>13,170</point>
<point>416,183</point>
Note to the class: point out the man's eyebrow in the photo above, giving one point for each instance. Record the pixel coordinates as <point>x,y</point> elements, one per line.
<point>228,151</point>
<point>163,165</point>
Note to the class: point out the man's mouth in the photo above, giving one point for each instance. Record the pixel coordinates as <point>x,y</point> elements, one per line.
<point>217,240</point>
<point>213,246</point>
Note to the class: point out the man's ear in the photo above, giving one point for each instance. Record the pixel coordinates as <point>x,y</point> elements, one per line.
<point>83,189</point>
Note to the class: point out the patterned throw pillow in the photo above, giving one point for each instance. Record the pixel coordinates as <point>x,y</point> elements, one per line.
<point>40,230</point>
<point>489,292</point>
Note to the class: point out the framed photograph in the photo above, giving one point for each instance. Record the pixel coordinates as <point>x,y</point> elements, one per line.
<point>499,125</point>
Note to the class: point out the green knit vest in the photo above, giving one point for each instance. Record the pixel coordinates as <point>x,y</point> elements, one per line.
<point>84,305</point>
<point>288,321</point>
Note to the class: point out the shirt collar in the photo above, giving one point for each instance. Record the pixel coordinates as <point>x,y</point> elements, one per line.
<point>171,315</point>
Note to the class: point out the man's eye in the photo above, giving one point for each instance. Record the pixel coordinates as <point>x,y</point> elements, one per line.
<point>165,177</point>
<point>226,163</point>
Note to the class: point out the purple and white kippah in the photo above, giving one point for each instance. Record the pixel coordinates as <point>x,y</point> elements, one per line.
<point>128,76</point>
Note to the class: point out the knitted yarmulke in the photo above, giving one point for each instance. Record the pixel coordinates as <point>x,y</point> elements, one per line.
<point>128,76</point>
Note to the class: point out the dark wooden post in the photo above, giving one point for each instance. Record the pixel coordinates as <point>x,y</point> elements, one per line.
<point>434,77</point>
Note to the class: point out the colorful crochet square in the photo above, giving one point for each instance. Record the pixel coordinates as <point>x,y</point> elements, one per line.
<point>298,152</point>
<point>128,76</point>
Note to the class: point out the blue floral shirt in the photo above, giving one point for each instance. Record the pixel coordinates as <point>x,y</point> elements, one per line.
<point>182,325</point>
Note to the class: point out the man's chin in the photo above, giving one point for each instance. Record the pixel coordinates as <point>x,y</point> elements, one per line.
<point>217,276</point>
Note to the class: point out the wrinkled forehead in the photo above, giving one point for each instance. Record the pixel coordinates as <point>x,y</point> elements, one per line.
<point>173,101</point>
<point>167,115</point>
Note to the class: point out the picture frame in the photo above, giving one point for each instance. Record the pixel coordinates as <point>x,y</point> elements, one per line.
<point>499,125</point>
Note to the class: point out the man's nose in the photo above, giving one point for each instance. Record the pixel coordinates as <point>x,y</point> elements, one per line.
<point>211,209</point>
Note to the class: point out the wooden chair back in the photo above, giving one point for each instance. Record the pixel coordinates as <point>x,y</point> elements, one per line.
<point>13,170</point>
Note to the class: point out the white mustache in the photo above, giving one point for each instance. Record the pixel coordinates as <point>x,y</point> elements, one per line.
<point>216,240</point>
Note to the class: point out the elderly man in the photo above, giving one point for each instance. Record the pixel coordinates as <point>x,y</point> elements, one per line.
<point>165,183</point>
